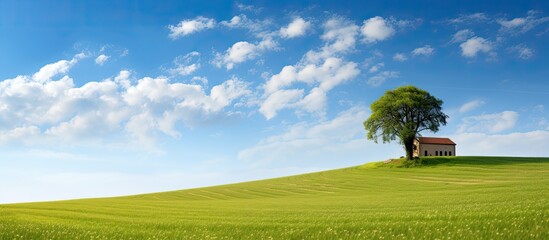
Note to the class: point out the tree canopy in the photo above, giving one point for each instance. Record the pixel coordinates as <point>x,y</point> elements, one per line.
<point>403,113</point>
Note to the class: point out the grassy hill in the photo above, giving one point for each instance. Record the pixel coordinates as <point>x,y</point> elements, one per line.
<point>447,198</point>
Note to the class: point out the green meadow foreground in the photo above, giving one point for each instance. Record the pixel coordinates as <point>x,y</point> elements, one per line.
<point>447,198</point>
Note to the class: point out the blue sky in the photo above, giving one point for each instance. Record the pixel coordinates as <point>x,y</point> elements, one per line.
<point>104,98</point>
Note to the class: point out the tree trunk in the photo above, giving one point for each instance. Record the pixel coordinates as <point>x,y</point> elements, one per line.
<point>409,147</point>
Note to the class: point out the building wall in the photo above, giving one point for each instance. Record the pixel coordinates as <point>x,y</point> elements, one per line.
<point>433,149</point>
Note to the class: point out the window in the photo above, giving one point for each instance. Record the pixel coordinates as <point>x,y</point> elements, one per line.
<point>426,153</point>
<point>450,154</point>
<point>436,153</point>
<point>445,153</point>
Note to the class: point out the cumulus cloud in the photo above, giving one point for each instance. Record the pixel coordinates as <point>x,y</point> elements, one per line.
<point>39,108</point>
<point>23,134</point>
<point>426,51</point>
<point>339,38</point>
<point>243,51</point>
<point>162,104</point>
<point>400,57</point>
<point>469,106</point>
<point>190,26</point>
<point>381,77</point>
<point>489,123</point>
<point>296,28</point>
<point>321,70</point>
<point>324,77</point>
<point>279,100</point>
<point>47,72</point>
<point>101,59</point>
<point>377,29</point>
<point>473,46</point>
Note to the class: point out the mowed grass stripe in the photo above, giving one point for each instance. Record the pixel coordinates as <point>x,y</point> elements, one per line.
<point>448,197</point>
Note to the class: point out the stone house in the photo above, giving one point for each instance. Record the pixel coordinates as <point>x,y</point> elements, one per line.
<point>431,146</point>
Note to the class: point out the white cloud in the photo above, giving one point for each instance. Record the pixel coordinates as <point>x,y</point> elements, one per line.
<point>469,106</point>
<point>47,72</point>
<point>225,93</point>
<point>58,111</point>
<point>376,29</point>
<point>314,102</point>
<point>124,53</point>
<point>516,22</point>
<point>522,24</point>
<point>101,59</point>
<point>426,51</point>
<point>250,8</point>
<point>279,100</point>
<point>462,35</point>
<point>85,126</point>
<point>473,46</point>
<point>525,53</point>
<point>296,28</point>
<point>528,144</point>
<point>331,73</point>
<point>522,51</point>
<point>376,67</point>
<point>339,39</point>
<point>400,57</point>
<point>321,70</point>
<point>200,79</point>
<point>489,123</point>
<point>185,70</point>
<point>123,79</point>
<point>183,65</point>
<point>381,77</point>
<point>24,134</point>
<point>469,19</point>
<point>286,77</point>
<point>243,51</point>
<point>235,21</point>
<point>190,26</point>
<point>257,27</point>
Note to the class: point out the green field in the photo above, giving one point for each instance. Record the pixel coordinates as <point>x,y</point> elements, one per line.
<point>447,198</point>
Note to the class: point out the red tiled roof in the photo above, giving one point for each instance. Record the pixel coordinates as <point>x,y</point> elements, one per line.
<point>434,140</point>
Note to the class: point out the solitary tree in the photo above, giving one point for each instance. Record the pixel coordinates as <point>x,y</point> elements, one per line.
<point>403,113</point>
